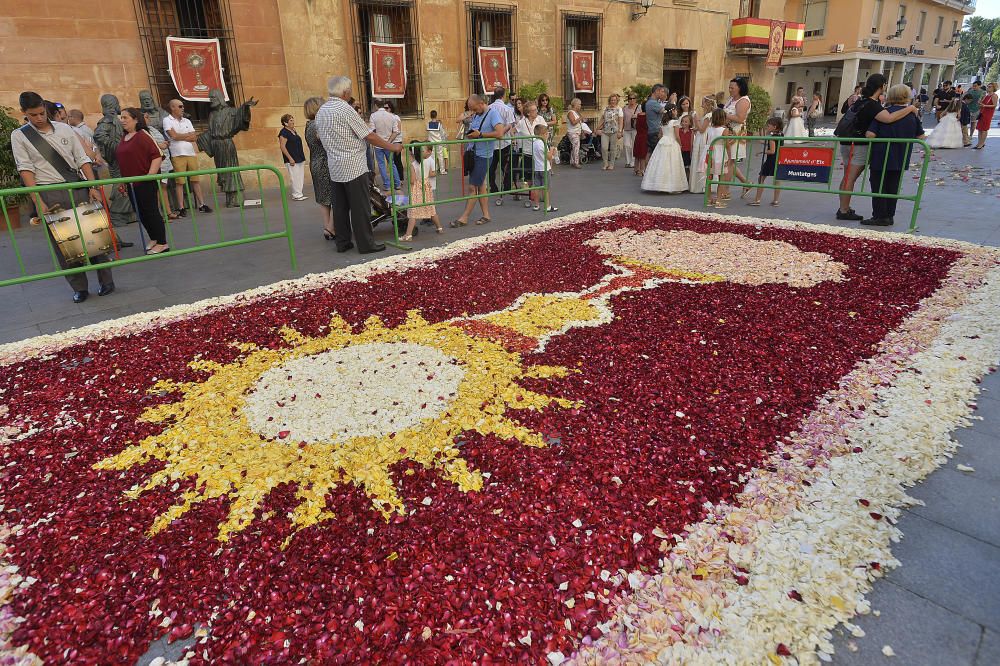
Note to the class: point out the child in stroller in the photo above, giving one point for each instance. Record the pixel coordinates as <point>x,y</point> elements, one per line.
<point>590,150</point>
<point>382,208</point>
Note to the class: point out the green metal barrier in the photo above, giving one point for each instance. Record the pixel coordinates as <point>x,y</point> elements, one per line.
<point>409,185</point>
<point>749,142</point>
<point>286,232</point>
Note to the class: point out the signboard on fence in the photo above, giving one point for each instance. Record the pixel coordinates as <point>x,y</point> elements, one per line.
<point>808,165</point>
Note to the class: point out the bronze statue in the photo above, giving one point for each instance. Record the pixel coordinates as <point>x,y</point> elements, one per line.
<point>107,136</point>
<point>225,122</point>
<point>156,113</point>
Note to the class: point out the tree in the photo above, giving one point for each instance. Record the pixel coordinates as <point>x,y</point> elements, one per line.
<point>977,35</point>
<point>760,110</point>
<point>9,176</point>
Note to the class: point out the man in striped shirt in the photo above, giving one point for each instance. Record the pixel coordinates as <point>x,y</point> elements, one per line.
<point>344,135</point>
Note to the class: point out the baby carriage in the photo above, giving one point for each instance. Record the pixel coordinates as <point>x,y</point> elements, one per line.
<point>382,208</point>
<point>589,149</point>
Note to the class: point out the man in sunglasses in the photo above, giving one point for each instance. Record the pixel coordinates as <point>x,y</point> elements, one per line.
<point>183,153</point>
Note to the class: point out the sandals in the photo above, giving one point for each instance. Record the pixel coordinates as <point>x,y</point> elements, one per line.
<point>329,236</point>
<point>440,230</point>
<point>746,191</point>
<point>753,203</point>
<point>407,238</point>
<point>482,220</point>
<point>173,216</point>
<point>458,223</point>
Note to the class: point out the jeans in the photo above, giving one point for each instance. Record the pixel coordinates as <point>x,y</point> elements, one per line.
<point>609,143</point>
<point>501,159</point>
<point>383,157</point>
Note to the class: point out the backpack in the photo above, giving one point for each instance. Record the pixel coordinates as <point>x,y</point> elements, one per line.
<point>848,125</point>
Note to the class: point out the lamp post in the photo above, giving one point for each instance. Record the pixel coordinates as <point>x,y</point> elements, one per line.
<point>989,54</point>
<point>900,27</point>
<point>645,4</point>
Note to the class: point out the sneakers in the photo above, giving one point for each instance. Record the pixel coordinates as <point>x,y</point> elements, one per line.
<point>849,215</point>
<point>878,222</point>
<point>551,209</point>
<point>204,208</point>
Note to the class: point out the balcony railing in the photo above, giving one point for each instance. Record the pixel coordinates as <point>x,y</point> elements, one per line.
<point>751,36</point>
<point>965,6</point>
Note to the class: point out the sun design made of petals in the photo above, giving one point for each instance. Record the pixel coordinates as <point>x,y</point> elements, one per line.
<point>411,390</point>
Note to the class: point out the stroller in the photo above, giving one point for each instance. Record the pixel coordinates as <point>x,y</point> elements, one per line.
<point>589,149</point>
<point>382,208</point>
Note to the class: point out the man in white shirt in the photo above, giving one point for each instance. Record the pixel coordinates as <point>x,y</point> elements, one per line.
<point>64,163</point>
<point>183,154</point>
<point>386,126</point>
<point>75,120</point>
<point>501,155</point>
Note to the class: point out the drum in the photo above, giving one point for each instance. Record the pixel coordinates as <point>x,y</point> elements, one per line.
<point>95,228</point>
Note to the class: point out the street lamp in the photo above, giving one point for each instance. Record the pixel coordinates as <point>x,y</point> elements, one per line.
<point>989,60</point>
<point>645,4</point>
<point>900,26</point>
<point>954,39</point>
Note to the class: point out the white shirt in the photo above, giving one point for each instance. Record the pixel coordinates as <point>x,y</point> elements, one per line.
<point>506,115</point>
<point>539,154</point>
<point>526,128</point>
<point>62,138</point>
<point>384,124</point>
<point>342,132</point>
<point>182,126</point>
<point>430,164</point>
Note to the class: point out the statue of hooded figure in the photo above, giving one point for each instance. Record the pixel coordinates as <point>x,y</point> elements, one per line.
<point>225,122</point>
<point>156,113</point>
<point>107,135</point>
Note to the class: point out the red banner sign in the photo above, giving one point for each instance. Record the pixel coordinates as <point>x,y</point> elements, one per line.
<point>807,165</point>
<point>195,67</point>
<point>583,71</point>
<point>493,68</point>
<point>775,44</point>
<point>388,68</point>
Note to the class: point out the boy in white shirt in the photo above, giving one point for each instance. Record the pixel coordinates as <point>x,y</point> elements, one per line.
<point>542,157</point>
<point>436,132</point>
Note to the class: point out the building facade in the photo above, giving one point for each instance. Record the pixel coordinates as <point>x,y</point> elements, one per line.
<point>845,41</point>
<point>282,51</point>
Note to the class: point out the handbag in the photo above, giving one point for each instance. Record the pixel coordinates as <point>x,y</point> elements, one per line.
<point>163,152</point>
<point>469,156</point>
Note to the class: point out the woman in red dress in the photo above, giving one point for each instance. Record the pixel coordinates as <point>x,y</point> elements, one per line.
<point>640,151</point>
<point>986,108</point>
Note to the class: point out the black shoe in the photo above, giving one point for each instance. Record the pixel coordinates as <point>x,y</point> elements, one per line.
<point>378,247</point>
<point>80,296</point>
<point>183,212</point>
<point>849,215</point>
<point>877,222</point>
<point>122,243</point>
<point>204,208</point>
<point>106,289</point>
<point>345,248</point>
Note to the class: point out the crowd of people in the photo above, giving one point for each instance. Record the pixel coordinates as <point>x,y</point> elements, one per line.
<point>506,147</point>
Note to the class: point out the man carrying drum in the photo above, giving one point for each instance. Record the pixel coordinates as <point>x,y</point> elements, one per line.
<point>47,153</point>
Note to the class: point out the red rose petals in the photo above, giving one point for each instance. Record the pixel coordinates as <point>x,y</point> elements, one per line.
<point>470,576</point>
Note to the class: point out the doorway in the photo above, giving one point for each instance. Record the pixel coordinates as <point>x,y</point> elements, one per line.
<point>678,70</point>
<point>832,92</point>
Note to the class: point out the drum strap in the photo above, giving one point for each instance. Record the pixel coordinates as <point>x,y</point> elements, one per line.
<point>50,155</point>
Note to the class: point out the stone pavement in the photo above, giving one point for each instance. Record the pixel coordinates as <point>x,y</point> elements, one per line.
<point>941,607</point>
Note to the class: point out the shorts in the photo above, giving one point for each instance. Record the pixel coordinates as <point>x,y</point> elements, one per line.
<point>538,179</point>
<point>478,174</point>
<point>185,163</point>
<point>858,157</point>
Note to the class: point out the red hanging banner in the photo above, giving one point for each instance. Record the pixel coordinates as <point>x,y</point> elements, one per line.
<point>493,68</point>
<point>775,44</point>
<point>388,69</point>
<point>195,67</point>
<point>583,71</point>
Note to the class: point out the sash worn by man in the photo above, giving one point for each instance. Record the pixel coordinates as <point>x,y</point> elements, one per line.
<point>46,153</point>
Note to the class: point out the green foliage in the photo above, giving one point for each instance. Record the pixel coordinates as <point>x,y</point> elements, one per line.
<point>760,110</point>
<point>558,105</point>
<point>8,171</point>
<point>977,34</point>
<point>532,90</point>
<point>641,91</point>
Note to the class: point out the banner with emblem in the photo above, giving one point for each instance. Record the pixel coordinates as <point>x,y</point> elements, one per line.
<point>195,67</point>
<point>582,70</point>
<point>493,68</point>
<point>388,70</point>
<point>775,44</point>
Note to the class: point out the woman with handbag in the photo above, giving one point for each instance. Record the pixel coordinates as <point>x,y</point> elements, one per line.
<point>138,155</point>
<point>815,112</point>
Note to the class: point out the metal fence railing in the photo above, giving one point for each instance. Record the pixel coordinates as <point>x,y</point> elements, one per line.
<point>793,164</point>
<point>81,223</point>
<point>519,173</point>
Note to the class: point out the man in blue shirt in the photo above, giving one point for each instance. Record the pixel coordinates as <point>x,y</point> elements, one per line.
<point>502,149</point>
<point>486,124</point>
<point>656,106</point>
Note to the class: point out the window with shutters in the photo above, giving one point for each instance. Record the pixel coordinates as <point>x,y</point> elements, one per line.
<point>197,19</point>
<point>815,17</point>
<point>491,26</point>
<point>387,22</point>
<point>581,32</point>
